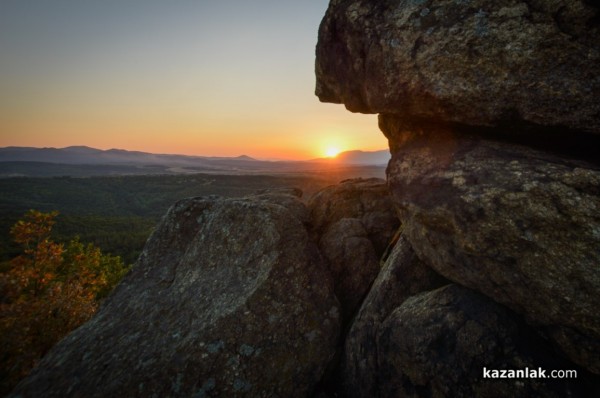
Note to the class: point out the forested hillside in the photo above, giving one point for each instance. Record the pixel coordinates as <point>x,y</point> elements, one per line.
<point>118,213</point>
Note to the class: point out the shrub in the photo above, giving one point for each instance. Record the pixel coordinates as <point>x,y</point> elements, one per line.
<point>46,292</point>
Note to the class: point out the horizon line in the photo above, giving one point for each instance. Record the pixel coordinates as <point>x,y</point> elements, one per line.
<point>197,156</point>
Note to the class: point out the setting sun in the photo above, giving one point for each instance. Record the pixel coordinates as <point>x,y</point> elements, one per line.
<point>100,94</point>
<point>331,152</point>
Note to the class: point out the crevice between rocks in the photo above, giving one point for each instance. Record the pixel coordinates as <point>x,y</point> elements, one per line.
<point>558,140</point>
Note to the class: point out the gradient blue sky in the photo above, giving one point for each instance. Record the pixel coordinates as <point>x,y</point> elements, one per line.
<point>224,78</point>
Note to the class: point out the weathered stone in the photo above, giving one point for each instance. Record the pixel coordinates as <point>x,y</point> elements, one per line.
<point>403,275</point>
<point>286,197</point>
<point>229,298</point>
<point>352,261</point>
<point>438,343</point>
<point>367,199</point>
<point>492,112</point>
<point>517,224</point>
<point>353,223</point>
<point>475,62</point>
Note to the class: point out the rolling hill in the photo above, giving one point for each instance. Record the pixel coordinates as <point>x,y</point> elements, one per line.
<point>86,161</point>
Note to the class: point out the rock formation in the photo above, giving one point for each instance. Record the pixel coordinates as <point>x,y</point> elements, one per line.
<point>440,343</point>
<point>492,112</point>
<point>230,297</point>
<point>515,223</point>
<point>403,275</point>
<point>475,62</point>
<point>353,223</point>
<point>367,200</point>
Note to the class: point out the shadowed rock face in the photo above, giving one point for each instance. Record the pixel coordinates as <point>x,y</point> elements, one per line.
<point>230,297</point>
<point>403,275</point>
<point>476,62</point>
<point>437,344</point>
<point>353,223</point>
<point>492,112</point>
<point>514,223</point>
<point>365,199</point>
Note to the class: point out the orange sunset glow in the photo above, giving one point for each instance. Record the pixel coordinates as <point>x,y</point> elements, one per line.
<point>196,78</point>
<point>332,152</point>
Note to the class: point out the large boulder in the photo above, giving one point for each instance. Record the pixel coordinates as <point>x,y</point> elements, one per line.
<point>353,223</point>
<point>229,298</point>
<point>476,62</point>
<point>402,275</point>
<point>517,224</point>
<point>366,199</point>
<point>451,342</point>
<point>492,113</point>
<point>352,262</point>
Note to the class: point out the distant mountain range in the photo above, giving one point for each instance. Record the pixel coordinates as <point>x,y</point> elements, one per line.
<point>87,155</point>
<point>15,161</point>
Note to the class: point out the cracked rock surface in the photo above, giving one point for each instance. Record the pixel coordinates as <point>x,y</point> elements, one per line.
<point>514,223</point>
<point>437,344</point>
<point>353,223</point>
<point>492,113</point>
<point>403,275</point>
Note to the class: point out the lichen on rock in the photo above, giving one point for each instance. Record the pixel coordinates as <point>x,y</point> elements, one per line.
<point>476,62</point>
<point>353,223</point>
<point>230,297</point>
<point>492,113</point>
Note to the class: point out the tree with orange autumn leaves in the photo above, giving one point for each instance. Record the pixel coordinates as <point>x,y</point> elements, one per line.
<point>47,291</point>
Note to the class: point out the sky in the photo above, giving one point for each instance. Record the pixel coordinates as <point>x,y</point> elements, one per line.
<point>195,77</point>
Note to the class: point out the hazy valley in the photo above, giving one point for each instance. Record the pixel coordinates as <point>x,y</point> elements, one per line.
<point>79,161</point>
<point>116,204</point>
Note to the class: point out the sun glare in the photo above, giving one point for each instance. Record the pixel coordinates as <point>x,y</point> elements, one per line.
<point>331,152</point>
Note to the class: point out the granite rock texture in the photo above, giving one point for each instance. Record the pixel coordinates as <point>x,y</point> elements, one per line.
<point>515,223</point>
<point>353,223</point>
<point>437,344</point>
<point>366,199</point>
<point>475,62</point>
<point>229,298</point>
<point>492,113</point>
<point>403,275</point>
